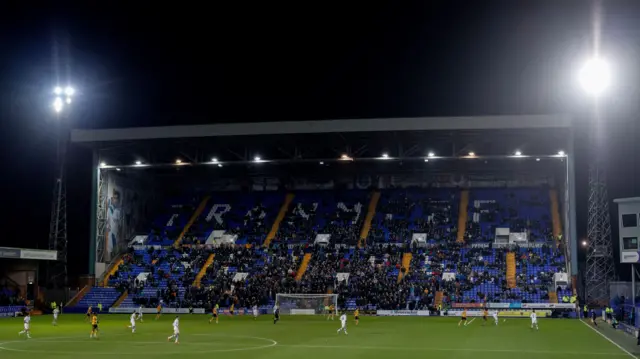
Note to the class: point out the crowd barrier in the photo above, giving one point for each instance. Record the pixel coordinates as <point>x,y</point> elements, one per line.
<point>403,313</point>
<point>513,310</point>
<point>633,331</point>
<point>10,311</point>
<point>457,313</point>
<point>502,314</point>
<point>221,311</point>
<point>153,310</point>
<point>514,305</point>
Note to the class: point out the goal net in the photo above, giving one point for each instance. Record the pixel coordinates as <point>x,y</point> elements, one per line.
<point>305,304</point>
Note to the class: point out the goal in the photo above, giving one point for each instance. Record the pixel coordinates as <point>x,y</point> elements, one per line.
<point>305,304</point>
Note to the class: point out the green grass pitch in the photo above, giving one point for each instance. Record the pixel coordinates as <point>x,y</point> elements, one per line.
<point>303,337</point>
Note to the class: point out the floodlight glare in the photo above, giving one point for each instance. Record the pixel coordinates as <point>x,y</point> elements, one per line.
<point>214,160</point>
<point>595,76</point>
<point>471,154</point>
<point>138,163</point>
<point>560,153</point>
<point>385,155</point>
<point>431,154</point>
<point>518,153</point>
<point>58,105</point>
<point>426,160</point>
<point>537,160</point>
<point>584,243</point>
<point>68,100</point>
<point>102,164</point>
<point>57,90</point>
<point>219,164</point>
<point>178,161</point>
<point>321,162</point>
<point>69,91</point>
<point>257,159</point>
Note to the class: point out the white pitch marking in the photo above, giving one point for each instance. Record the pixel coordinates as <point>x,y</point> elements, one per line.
<point>44,340</point>
<point>448,349</point>
<point>607,338</point>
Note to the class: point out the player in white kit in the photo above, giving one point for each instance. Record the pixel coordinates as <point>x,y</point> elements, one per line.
<point>255,312</point>
<point>176,330</point>
<point>534,319</point>
<point>133,322</point>
<point>140,315</point>
<point>56,312</point>
<point>495,317</point>
<point>27,326</point>
<point>343,321</point>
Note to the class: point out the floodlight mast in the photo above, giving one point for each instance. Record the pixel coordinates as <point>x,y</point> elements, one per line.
<point>57,274</point>
<point>595,79</point>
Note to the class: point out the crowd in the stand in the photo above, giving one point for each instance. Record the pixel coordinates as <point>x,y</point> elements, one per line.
<point>167,272</point>
<point>505,213</point>
<point>376,277</point>
<point>304,221</point>
<point>401,214</point>
<point>275,273</point>
<point>10,297</point>
<point>373,280</point>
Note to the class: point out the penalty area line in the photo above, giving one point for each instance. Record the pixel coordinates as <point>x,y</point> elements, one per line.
<point>469,323</point>
<point>607,338</point>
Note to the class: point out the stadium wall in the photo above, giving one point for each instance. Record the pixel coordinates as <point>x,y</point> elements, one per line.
<point>128,211</point>
<point>125,206</point>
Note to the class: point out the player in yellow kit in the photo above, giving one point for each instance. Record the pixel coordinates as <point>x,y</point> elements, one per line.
<point>332,312</point>
<point>231,309</point>
<point>356,315</point>
<point>89,311</point>
<point>94,326</point>
<point>214,314</point>
<point>463,319</point>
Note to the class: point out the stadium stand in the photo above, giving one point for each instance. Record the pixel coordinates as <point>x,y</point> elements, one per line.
<point>168,224</point>
<point>339,214</point>
<point>243,217</point>
<point>10,297</point>
<point>389,271</point>
<point>105,296</point>
<point>405,211</point>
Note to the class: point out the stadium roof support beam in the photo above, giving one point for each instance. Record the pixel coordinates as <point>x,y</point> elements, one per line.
<point>326,126</point>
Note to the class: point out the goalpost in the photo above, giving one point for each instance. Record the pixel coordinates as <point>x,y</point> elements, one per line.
<point>305,304</point>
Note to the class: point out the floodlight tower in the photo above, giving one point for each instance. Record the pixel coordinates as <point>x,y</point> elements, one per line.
<point>57,273</point>
<point>595,78</point>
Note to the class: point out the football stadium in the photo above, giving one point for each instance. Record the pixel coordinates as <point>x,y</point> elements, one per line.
<point>437,237</point>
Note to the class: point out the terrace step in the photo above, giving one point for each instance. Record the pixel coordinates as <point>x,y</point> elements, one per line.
<point>303,266</point>
<point>203,270</point>
<point>462,215</point>
<point>511,270</point>
<point>276,224</point>
<point>406,264</point>
<point>192,220</point>
<point>371,212</point>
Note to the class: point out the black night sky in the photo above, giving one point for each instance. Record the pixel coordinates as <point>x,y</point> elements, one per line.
<point>157,64</point>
